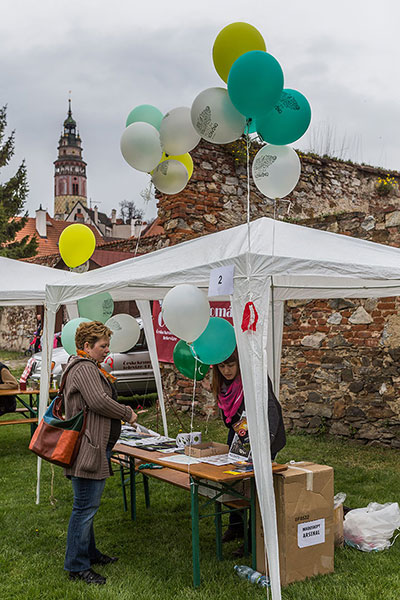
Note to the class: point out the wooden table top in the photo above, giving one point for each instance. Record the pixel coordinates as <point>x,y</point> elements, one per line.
<point>198,470</point>
<point>27,392</point>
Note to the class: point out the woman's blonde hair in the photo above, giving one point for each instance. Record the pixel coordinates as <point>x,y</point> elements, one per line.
<point>218,378</point>
<point>91,333</point>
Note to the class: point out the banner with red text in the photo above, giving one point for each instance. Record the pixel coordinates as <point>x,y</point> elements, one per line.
<point>166,341</point>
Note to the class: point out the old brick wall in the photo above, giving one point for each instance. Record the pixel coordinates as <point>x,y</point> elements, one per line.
<point>339,360</point>
<point>17,324</point>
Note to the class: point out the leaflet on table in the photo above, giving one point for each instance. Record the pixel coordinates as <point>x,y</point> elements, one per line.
<point>218,460</point>
<point>182,459</point>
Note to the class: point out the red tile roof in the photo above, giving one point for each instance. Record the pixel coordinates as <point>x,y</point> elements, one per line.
<point>49,244</point>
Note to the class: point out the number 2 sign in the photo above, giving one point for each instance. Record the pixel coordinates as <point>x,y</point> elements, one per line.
<point>221,281</point>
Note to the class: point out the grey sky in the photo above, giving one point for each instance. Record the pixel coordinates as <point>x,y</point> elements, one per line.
<point>116,55</point>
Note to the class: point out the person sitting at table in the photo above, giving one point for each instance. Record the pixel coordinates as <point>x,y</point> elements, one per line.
<point>228,392</point>
<point>87,384</point>
<point>7,382</point>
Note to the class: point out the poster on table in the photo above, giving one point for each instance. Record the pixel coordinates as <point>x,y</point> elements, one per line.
<point>166,341</point>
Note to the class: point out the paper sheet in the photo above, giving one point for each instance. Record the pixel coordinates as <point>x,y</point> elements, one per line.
<point>182,459</point>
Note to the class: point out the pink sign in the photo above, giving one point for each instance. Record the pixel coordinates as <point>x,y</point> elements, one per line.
<point>166,341</point>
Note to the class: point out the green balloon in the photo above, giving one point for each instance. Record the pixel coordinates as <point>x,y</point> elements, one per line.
<point>98,307</point>
<point>145,113</point>
<point>68,334</point>
<point>216,343</point>
<point>186,363</point>
<point>287,121</point>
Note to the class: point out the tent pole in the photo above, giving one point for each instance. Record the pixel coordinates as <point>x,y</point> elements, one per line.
<point>145,313</point>
<point>48,335</point>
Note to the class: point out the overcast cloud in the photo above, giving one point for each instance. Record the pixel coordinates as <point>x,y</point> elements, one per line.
<point>115,55</point>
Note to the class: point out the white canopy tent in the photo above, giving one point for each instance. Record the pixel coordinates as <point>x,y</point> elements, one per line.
<point>273,261</point>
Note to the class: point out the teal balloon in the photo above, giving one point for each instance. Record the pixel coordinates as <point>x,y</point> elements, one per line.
<point>68,334</point>
<point>287,121</point>
<point>255,83</point>
<point>145,113</point>
<point>98,307</point>
<point>187,364</point>
<point>216,343</point>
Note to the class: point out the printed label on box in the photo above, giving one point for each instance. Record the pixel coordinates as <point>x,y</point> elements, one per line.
<point>311,533</point>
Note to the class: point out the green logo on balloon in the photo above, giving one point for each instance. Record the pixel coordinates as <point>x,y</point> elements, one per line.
<point>186,363</point>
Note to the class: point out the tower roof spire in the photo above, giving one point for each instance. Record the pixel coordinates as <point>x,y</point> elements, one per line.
<point>69,122</point>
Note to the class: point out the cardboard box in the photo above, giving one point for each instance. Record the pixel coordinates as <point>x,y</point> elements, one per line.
<point>206,449</point>
<point>304,507</point>
<point>338,526</point>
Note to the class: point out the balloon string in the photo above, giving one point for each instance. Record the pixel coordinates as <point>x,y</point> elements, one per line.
<point>192,411</point>
<point>248,199</point>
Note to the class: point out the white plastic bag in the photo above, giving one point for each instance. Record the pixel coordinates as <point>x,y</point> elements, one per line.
<point>371,528</point>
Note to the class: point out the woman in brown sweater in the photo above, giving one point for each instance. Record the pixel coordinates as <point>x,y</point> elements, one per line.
<point>87,384</point>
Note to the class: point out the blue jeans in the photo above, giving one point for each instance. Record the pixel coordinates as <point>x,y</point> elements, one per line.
<point>81,546</point>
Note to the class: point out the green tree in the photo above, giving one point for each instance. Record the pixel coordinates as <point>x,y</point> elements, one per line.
<point>12,201</point>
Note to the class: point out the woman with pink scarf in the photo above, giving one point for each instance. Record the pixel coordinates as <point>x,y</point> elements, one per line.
<point>228,391</point>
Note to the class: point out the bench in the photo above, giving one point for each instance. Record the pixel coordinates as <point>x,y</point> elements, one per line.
<point>18,421</point>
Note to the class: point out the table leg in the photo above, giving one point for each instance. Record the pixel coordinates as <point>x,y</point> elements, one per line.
<point>146,490</point>
<point>218,529</point>
<point>253,523</point>
<point>132,481</point>
<point>194,494</point>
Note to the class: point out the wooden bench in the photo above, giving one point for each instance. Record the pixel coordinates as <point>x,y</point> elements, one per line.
<point>18,421</point>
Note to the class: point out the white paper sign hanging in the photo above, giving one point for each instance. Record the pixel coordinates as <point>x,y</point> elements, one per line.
<point>311,533</point>
<point>221,281</point>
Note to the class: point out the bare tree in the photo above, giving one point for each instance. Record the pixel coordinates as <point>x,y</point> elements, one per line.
<point>129,211</point>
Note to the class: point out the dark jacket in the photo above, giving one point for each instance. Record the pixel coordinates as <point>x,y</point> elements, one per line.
<point>277,434</point>
<point>7,382</point>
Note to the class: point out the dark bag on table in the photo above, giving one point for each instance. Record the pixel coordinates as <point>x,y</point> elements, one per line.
<point>57,439</point>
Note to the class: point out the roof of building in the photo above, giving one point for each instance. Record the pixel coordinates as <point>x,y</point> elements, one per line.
<point>49,244</point>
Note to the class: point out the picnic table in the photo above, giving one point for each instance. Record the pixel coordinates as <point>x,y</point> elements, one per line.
<point>192,477</point>
<point>28,411</point>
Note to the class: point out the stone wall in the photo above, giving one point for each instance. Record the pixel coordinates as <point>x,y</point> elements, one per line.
<point>17,324</point>
<point>339,361</point>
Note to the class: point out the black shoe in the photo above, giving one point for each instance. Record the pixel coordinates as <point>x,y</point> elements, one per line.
<point>239,552</point>
<point>88,576</point>
<point>103,559</point>
<point>231,534</point>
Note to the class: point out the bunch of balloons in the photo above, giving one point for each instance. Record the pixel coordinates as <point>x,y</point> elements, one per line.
<point>76,244</point>
<point>204,341</point>
<point>160,145</point>
<point>254,100</point>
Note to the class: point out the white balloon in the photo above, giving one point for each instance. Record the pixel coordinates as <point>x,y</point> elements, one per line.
<point>177,133</point>
<point>170,176</point>
<point>126,332</point>
<point>186,312</point>
<point>215,118</point>
<point>140,146</point>
<point>276,170</point>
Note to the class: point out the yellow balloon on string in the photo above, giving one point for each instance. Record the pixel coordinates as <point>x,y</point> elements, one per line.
<point>76,244</point>
<point>185,159</point>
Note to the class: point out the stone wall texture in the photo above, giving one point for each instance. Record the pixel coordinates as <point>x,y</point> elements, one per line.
<point>17,324</point>
<point>341,359</point>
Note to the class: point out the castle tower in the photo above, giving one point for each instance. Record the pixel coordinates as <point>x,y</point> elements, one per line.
<point>70,170</point>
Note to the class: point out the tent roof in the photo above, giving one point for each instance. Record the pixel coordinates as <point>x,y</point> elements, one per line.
<point>25,283</point>
<point>298,257</point>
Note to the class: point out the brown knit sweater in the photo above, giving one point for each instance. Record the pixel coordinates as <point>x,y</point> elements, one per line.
<point>85,384</point>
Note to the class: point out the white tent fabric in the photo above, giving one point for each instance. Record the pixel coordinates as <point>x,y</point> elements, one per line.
<point>23,284</point>
<point>273,261</point>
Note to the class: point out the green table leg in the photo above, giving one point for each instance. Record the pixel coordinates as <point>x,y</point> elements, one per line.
<point>218,529</point>
<point>194,494</point>
<point>253,522</point>
<point>146,490</point>
<point>132,481</point>
<point>123,484</point>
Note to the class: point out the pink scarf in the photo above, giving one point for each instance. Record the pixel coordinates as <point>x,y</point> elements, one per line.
<point>229,401</point>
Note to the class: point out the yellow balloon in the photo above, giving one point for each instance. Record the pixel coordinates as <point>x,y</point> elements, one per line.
<point>233,41</point>
<point>76,244</point>
<point>185,159</point>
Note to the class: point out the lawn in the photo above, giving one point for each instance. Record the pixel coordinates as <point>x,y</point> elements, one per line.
<point>155,552</point>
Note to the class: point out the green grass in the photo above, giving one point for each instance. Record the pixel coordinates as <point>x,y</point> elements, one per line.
<point>155,552</point>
